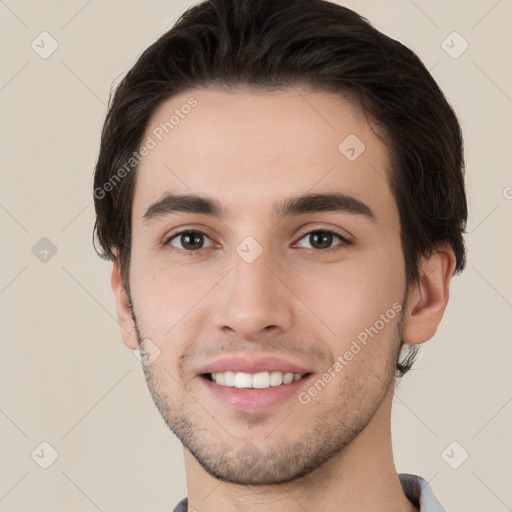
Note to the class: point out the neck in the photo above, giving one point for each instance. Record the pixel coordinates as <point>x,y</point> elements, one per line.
<point>361,477</point>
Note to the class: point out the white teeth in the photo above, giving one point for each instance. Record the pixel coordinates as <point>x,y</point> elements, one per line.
<point>276,378</point>
<point>287,378</point>
<point>229,378</point>
<point>259,380</point>
<point>243,380</point>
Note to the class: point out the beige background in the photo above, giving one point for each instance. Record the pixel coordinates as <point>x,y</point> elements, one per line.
<point>66,377</point>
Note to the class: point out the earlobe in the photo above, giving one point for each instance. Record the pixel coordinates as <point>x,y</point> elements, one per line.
<point>124,312</point>
<point>428,298</point>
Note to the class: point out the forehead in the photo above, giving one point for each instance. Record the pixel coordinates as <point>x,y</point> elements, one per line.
<point>250,149</point>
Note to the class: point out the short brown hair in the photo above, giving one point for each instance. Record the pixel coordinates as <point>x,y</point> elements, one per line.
<point>272,44</point>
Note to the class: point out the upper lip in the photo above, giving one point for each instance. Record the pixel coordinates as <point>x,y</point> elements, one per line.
<point>252,364</point>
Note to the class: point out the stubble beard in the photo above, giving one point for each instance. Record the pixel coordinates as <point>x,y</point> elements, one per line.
<point>244,462</point>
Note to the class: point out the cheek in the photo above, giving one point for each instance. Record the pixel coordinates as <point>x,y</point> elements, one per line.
<point>165,298</point>
<point>351,298</point>
<point>343,298</point>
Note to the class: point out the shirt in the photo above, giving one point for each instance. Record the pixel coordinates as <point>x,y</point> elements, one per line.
<point>416,488</point>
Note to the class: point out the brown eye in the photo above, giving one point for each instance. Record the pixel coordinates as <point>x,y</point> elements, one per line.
<point>189,241</point>
<point>322,240</point>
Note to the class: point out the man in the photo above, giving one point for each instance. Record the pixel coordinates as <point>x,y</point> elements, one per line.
<point>280,188</point>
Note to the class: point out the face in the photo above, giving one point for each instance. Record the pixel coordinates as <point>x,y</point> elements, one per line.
<point>274,311</point>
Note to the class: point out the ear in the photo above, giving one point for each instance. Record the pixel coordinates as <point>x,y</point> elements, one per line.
<point>427,299</point>
<point>124,312</point>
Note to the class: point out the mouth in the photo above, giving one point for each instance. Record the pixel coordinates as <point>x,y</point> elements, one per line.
<point>254,392</point>
<point>260,380</point>
<point>252,382</point>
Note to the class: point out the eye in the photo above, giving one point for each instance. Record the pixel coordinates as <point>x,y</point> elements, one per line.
<point>322,239</point>
<point>189,241</point>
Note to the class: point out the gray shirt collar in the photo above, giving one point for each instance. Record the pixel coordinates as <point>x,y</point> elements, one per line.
<point>416,488</point>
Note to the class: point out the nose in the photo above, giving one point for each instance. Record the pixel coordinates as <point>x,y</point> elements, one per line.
<point>253,300</point>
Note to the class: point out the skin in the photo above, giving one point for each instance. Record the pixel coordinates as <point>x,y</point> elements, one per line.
<point>248,150</point>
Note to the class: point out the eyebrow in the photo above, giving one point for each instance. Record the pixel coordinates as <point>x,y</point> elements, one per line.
<point>171,204</point>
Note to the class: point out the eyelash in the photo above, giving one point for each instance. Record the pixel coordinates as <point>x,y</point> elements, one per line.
<point>336,248</point>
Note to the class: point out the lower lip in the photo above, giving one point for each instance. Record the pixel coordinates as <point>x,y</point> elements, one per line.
<point>250,399</point>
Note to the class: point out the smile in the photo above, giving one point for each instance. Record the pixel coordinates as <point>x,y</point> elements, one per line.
<point>260,380</point>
